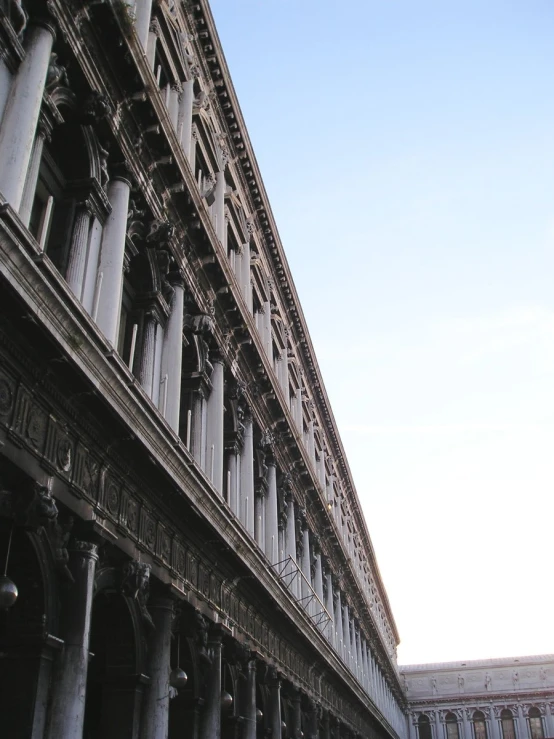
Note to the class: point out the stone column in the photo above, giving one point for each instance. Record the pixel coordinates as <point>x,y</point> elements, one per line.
<point>306,568</point>
<point>185,117</point>
<point>272,514</point>
<point>155,706</point>
<point>412,731</point>
<point>274,706</point>
<point>175,93</point>
<point>231,482</point>
<point>152,34</point>
<point>148,355</point>
<point>438,727</point>
<point>359,657</point>
<point>214,438</point>
<point>219,205</point>
<point>330,628</point>
<point>338,626</point>
<point>32,176</point>
<point>290,544</point>
<point>326,725</point>
<point>91,281</point>
<point>78,251</point>
<point>259,512</point>
<point>211,723</point>
<point>495,732</point>
<point>466,724</point>
<point>246,283</point>
<point>143,11</point>
<point>296,716</point>
<point>549,720</point>
<point>246,498</point>
<point>5,85</point>
<point>346,636</point>
<point>172,355</point>
<point>112,256</point>
<point>250,725</point>
<point>521,723</point>
<point>19,123</point>
<point>70,687</point>
<point>318,579</point>
<point>196,434</point>
<point>365,663</point>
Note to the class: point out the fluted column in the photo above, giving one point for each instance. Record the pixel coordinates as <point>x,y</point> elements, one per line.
<point>185,117</point>
<point>246,500</point>
<point>70,687</point>
<point>275,706</point>
<point>232,478</point>
<point>155,707</point>
<point>172,355</point>
<point>91,281</point>
<point>211,723</point>
<point>31,179</point>
<point>214,438</point>
<point>250,726</point>
<point>112,254</point>
<point>272,514</point>
<point>19,123</point>
<point>78,251</point>
<point>148,355</point>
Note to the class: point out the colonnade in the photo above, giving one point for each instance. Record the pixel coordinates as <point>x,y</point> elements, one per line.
<point>492,715</point>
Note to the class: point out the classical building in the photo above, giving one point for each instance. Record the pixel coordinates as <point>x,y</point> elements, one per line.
<point>510,698</point>
<point>176,509</point>
<point>183,551</point>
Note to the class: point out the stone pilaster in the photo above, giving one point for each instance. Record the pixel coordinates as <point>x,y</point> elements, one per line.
<point>78,251</point>
<point>214,438</point>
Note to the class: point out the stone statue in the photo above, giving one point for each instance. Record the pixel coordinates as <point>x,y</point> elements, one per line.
<point>461,682</point>
<point>487,681</point>
<point>135,582</point>
<point>434,685</point>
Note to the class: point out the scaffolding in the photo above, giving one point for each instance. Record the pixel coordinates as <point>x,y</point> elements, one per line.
<point>291,575</point>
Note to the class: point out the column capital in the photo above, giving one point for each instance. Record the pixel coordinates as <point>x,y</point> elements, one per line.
<point>84,548</point>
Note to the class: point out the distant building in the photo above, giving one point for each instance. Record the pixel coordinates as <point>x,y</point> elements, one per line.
<point>176,509</point>
<point>511,698</point>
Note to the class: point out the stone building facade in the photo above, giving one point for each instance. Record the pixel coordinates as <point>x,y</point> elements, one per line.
<point>176,509</point>
<point>511,698</point>
<point>182,546</point>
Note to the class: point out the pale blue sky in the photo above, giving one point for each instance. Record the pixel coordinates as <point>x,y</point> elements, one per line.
<point>407,149</point>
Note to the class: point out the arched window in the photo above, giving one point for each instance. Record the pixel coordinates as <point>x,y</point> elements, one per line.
<point>507,720</point>
<point>424,727</point>
<point>535,723</point>
<point>451,722</point>
<point>479,725</point>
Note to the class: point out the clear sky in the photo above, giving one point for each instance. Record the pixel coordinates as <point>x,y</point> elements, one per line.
<point>407,149</point>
